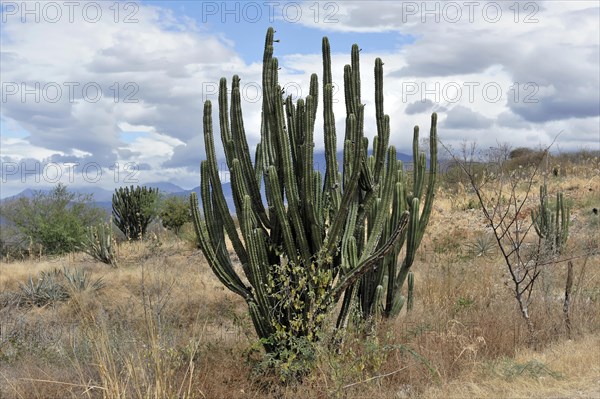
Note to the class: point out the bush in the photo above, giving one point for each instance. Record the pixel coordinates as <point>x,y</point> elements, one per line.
<point>174,213</point>
<point>54,220</point>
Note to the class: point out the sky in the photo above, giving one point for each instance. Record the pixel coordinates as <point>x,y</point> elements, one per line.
<point>109,93</point>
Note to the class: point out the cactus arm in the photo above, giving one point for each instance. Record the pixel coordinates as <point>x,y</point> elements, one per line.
<point>355,65</point>
<point>216,185</point>
<point>382,132</point>
<point>411,288</point>
<point>291,187</point>
<point>290,111</point>
<point>273,182</point>
<point>242,151</point>
<point>226,275</point>
<point>384,206</point>
<point>332,185</point>
<point>366,264</point>
<point>433,170</point>
<point>258,264</point>
<point>213,221</point>
<point>334,233</point>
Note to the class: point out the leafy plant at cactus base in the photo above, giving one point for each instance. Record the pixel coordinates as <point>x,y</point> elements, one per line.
<point>133,210</point>
<point>339,235</point>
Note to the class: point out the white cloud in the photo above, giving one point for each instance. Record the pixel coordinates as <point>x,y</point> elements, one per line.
<point>167,66</point>
<point>548,72</point>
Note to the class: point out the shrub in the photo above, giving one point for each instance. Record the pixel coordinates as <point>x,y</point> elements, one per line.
<point>174,213</point>
<point>54,220</point>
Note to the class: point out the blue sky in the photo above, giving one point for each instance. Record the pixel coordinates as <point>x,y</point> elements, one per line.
<point>246,25</point>
<point>128,87</point>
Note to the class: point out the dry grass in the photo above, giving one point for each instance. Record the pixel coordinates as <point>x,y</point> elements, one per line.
<point>164,327</point>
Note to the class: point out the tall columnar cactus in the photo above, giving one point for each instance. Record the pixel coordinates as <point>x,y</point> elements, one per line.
<point>133,209</point>
<point>335,231</point>
<point>552,225</point>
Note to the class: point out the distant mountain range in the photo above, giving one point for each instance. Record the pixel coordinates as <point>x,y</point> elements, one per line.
<point>103,198</point>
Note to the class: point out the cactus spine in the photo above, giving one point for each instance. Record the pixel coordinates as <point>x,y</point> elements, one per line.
<point>300,258</point>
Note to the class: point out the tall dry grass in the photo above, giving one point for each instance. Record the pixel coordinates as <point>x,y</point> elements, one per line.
<point>164,327</point>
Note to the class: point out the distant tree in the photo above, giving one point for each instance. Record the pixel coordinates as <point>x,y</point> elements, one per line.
<point>55,220</point>
<point>520,152</point>
<point>175,212</point>
<point>133,209</point>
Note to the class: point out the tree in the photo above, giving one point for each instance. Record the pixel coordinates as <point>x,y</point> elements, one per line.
<point>55,220</point>
<point>504,194</point>
<point>174,213</point>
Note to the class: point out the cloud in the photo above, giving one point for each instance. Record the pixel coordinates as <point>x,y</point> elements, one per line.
<point>86,79</point>
<point>423,106</point>
<point>461,117</point>
<point>154,76</point>
<point>548,72</point>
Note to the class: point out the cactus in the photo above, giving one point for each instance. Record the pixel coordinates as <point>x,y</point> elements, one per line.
<point>552,225</point>
<point>411,288</point>
<point>100,243</point>
<point>133,210</point>
<point>316,237</point>
<point>393,273</point>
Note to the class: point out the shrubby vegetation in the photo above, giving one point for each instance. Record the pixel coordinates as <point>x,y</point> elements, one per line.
<point>51,222</point>
<point>174,213</point>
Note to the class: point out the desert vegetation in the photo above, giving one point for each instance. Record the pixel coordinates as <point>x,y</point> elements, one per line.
<point>473,274</point>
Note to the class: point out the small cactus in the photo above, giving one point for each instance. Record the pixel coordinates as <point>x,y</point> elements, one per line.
<point>100,243</point>
<point>552,225</point>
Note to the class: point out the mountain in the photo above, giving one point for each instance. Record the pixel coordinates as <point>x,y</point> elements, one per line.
<point>166,187</point>
<point>102,197</point>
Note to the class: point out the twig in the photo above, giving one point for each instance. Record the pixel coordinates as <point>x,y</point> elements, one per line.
<point>88,387</point>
